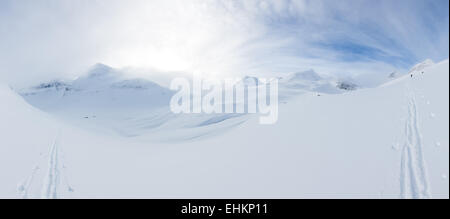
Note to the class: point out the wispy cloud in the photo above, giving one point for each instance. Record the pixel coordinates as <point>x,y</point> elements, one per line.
<point>43,38</point>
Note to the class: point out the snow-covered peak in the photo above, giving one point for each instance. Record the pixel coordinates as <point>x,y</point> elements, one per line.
<point>309,75</point>
<point>393,74</point>
<point>99,70</point>
<point>421,66</point>
<point>98,77</point>
<point>102,87</point>
<point>309,81</point>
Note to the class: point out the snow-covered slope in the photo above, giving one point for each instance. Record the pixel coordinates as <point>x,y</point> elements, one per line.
<point>25,133</point>
<point>309,81</point>
<point>419,68</point>
<point>386,142</point>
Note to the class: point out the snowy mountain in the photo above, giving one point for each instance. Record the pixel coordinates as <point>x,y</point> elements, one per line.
<point>385,142</point>
<point>105,100</point>
<point>419,68</point>
<point>100,88</point>
<point>305,82</point>
<point>310,75</point>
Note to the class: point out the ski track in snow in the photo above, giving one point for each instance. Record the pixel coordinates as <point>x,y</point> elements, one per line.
<point>25,186</point>
<point>50,186</point>
<point>414,181</point>
<point>55,176</point>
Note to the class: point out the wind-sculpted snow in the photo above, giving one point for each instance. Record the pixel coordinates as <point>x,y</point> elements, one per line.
<point>136,84</point>
<point>217,119</point>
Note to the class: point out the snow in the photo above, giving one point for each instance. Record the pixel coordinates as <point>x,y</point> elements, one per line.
<point>98,139</point>
<point>419,68</point>
<point>310,75</point>
<point>308,81</point>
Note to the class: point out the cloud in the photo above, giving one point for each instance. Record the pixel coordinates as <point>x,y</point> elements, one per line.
<point>48,38</point>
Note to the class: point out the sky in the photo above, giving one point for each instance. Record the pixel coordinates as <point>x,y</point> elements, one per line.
<point>47,39</point>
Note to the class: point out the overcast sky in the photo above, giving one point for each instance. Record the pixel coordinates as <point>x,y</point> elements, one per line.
<point>40,39</point>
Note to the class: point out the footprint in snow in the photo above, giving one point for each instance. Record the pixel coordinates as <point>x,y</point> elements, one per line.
<point>21,187</point>
<point>395,146</point>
